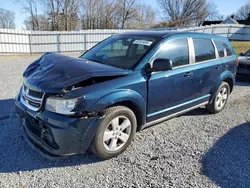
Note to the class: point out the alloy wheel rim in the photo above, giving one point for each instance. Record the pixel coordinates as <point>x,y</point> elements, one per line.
<point>117,133</point>
<point>221,98</point>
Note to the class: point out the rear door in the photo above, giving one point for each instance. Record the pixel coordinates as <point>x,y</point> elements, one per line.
<point>208,67</point>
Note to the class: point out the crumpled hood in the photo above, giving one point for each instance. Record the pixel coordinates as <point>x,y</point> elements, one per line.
<point>51,73</point>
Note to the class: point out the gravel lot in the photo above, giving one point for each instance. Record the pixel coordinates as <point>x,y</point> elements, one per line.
<point>194,150</point>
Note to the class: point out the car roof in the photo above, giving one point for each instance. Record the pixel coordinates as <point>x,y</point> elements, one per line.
<point>163,34</point>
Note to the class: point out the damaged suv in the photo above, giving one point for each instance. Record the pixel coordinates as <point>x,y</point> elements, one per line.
<point>123,84</point>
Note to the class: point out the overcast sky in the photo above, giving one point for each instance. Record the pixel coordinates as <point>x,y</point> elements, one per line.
<point>225,7</point>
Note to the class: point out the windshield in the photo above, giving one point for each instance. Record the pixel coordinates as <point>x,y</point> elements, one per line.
<point>120,51</point>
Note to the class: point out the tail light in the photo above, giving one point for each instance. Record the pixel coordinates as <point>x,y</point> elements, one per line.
<point>237,61</point>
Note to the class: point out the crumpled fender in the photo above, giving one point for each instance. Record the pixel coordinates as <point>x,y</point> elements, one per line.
<point>123,95</point>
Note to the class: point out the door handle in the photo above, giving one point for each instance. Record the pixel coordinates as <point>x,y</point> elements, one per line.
<point>218,66</point>
<point>188,74</point>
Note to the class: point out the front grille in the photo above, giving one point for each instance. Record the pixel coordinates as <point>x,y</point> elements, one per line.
<point>31,99</point>
<point>36,93</point>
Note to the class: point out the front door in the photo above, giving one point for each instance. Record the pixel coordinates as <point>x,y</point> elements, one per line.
<point>166,89</point>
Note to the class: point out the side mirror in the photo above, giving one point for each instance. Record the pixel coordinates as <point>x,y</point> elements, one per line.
<point>162,65</point>
<point>241,54</point>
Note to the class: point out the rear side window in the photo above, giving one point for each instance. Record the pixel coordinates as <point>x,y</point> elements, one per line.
<point>175,50</point>
<point>223,48</point>
<point>228,50</point>
<point>204,50</point>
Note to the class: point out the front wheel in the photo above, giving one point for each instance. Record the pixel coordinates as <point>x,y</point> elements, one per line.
<point>115,132</point>
<point>220,99</point>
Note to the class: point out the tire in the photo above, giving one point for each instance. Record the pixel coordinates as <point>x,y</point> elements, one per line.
<point>112,140</point>
<point>220,100</point>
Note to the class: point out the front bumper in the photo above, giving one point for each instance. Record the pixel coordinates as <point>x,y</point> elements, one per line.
<point>53,134</point>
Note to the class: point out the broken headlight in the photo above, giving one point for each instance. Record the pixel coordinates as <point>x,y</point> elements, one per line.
<point>62,106</point>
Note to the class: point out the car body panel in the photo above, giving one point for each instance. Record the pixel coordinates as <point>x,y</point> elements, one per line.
<point>243,71</point>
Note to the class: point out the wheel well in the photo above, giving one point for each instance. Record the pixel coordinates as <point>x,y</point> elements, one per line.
<point>230,83</point>
<point>136,111</point>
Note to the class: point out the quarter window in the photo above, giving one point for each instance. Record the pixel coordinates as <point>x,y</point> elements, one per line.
<point>223,48</point>
<point>175,50</point>
<point>228,50</point>
<point>204,50</point>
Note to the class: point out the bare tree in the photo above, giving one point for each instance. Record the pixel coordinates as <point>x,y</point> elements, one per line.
<point>60,14</point>
<point>7,19</point>
<point>144,17</point>
<point>98,14</point>
<point>243,12</point>
<point>187,12</point>
<point>42,20</point>
<point>69,15</point>
<point>208,12</point>
<point>127,10</point>
<point>91,13</point>
<point>53,8</point>
<point>31,7</point>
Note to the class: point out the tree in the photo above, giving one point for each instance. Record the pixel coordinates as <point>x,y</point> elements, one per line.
<point>187,12</point>
<point>42,20</point>
<point>127,10</point>
<point>98,14</point>
<point>243,12</point>
<point>31,7</point>
<point>56,14</point>
<point>7,19</point>
<point>68,15</point>
<point>144,17</point>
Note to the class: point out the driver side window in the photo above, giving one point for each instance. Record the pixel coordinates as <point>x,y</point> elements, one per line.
<point>175,50</point>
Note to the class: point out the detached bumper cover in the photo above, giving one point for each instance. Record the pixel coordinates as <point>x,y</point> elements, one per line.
<point>55,135</point>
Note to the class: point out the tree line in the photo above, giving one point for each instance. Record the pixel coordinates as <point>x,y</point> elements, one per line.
<point>68,15</point>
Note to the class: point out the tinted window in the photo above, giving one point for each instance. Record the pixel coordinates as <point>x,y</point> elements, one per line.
<point>176,50</point>
<point>220,47</point>
<point>228,50</point>
<point>223,48</point>
<point>204,50</point>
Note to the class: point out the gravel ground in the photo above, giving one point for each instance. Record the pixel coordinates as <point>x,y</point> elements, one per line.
<point>194,150</point>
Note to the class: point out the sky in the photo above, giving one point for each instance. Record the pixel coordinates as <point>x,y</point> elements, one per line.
<point>225,7</point>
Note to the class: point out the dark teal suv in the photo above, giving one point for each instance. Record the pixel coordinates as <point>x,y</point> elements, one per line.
<point>120,86</point>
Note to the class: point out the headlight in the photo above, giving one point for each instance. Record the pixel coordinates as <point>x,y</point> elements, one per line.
<point>62,106</point>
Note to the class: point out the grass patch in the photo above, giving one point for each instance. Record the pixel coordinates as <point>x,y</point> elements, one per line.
<point>240,47</point>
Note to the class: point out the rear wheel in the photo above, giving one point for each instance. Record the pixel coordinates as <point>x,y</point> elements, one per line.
<point>220,99</point>
<point>115,132</point>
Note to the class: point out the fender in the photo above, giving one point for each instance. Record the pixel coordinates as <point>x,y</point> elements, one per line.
<point>225,75</point>
<point>123,95</point>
